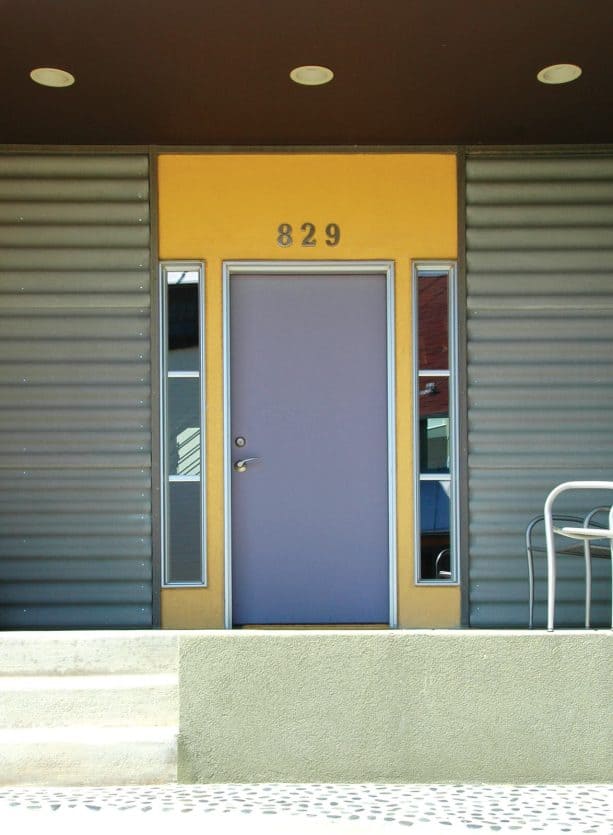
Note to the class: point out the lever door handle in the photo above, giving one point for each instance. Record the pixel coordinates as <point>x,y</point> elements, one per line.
<point>241,465</point>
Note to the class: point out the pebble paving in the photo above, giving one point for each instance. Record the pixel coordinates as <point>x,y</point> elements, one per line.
<point>584,809</point>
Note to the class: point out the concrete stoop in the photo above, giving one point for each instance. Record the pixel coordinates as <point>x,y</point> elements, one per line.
<point>88,708</point>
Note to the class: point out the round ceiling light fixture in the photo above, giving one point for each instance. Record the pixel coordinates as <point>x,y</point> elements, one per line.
<point>559,73</point>
<point>311,75</point>
<point>52,77</point>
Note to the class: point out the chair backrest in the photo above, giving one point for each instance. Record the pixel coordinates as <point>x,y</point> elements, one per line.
<point>550,536</point>
<point>535,529</point>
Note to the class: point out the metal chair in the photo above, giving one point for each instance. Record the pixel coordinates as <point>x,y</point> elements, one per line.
<point>588,550</point>
<point>443,559</point>
<point>582,533</point>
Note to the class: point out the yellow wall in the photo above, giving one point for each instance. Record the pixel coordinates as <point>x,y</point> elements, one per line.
<point>399,207</point>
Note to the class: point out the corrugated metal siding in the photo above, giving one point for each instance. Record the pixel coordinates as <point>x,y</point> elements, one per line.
<point>539,250</point>
<point>75,427</point>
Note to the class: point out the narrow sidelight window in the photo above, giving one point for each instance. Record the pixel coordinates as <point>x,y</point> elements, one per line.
<point>435,418</point>
<point>182,431</point>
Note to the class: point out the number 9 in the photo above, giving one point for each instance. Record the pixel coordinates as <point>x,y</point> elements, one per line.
<point>333,234</point>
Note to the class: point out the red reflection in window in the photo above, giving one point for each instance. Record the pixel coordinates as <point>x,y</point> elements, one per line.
<point>432,298</point>
<point>433,396</point>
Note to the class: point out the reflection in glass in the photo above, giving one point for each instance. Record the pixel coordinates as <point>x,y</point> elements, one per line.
<point>182,392</point>
<point>435,540</point>
<point>183,327</point>
<point>433,329</point>
<point>434,445</point>
<point>182,276</point>
<point>434,427</point>
<point>183,426</point>
<point>184,535</point>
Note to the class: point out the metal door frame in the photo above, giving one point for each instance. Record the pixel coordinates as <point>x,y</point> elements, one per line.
<point>386,268</point>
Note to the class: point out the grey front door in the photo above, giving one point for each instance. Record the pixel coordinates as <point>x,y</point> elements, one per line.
<point>308,372</point>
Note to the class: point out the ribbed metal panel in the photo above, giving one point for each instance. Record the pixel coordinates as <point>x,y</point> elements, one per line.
<point>75,425</point>
<point>539,252</point>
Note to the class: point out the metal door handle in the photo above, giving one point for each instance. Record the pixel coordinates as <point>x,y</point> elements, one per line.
<point>241,466</point>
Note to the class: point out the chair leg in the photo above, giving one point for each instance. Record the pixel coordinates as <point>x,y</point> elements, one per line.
<point>551,562</point>
<point>588,582</point>
<point>611,543</point>
<point>612,583</point>
<point>551,599</point>
<point>530,589</point>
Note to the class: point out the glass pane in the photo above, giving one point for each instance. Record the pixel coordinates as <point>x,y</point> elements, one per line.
<point>183,438</point>
<point>183,327</point>
<point>184,563</point>
<point>435,540</point>
<point>183,276</point>
<point>433,328</point>
<point>434,448</point>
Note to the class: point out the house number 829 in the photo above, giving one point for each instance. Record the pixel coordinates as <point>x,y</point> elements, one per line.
<point>285,234</point>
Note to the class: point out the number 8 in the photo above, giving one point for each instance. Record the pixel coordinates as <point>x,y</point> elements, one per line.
<point>284,237</point>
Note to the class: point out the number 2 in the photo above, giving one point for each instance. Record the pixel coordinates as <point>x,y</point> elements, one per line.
<point>308,239</point>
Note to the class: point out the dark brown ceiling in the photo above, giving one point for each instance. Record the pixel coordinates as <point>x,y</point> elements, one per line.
<point>215,72</point>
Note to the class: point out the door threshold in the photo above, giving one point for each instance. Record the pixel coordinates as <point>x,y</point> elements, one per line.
<point>317,626</point>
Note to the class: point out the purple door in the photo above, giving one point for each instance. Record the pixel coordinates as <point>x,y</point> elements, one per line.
<point>308,377</point>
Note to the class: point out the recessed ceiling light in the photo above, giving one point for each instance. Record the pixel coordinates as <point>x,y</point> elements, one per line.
<point>311,75</point>
<point>52,77</point>
<point>559,73</point>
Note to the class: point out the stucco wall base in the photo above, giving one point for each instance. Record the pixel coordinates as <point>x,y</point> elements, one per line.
<point>405,706</point>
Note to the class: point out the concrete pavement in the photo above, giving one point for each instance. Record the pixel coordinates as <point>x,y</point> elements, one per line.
<point>303,809</point>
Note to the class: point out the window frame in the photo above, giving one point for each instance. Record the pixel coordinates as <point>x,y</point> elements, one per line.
<point>166,267</point>
<point>424,268</point>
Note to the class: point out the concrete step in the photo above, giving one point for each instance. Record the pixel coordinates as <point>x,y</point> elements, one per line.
<point>87,652</point>
<point>88,756</point>
<point>88,708</point>
<point>115,700</point>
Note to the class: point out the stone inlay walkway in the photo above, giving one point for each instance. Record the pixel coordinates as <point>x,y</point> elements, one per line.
<point>585,809</point>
